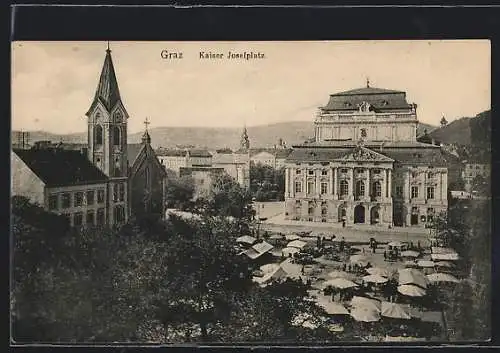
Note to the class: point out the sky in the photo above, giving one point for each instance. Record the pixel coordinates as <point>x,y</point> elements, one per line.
<point>53,83</point>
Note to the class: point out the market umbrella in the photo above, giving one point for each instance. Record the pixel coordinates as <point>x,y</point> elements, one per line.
<point>384,272</point>
<point>291,237</point>
<point>425,263</point>
<point>442,277</point>
<point>333,308</point>
<point>287,251</point>
<point>410,253</point>
<point>412,276</point>
<point>269,268</point>
<point>359,259</point>
<point>365,314</point>
<point>246,239</point>
<point>375,279</point>
<point>276,236</point>
<point>395,310</point>
<point>340,283</point>
<point>396,244</point>
<point>299,244</point>
<point>363,302</point>
<point>411,290</point>
<point>444,264</point>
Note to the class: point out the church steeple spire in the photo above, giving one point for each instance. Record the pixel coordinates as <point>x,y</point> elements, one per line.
<point>146,139</point>
<point>107,91</point>
<point>245,141</point>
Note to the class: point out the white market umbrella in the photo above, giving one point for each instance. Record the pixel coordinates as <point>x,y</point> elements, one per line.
<point>299,244</point>
<point>384,272</point>
<point>425,263</point>
<point>445,257</point>
<point>411,291</point>
<point>363,302</point>
<point>396,244</point>
<point>442,277</point>
<point>269,268</point>
<point>333,308</point>
<point>410,253</point>
<point>375,279</point>
<point>291,237</point>
<point>395,310</point>
<point>246,239</point>
<point>410,263</point>
<point>287,251</point>
<point>340,283</point>
<point>412,276</point>
<point>365,314</point>
<point>444,264</point>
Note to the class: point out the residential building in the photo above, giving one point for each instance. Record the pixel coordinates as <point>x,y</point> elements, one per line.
<point>203,178</point>
<point>174,159</point>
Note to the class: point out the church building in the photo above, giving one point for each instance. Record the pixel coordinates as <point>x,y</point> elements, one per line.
<point>365,165</point>
<point>104,183</point>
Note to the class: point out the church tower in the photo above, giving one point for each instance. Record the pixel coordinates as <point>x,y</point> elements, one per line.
<point>107,139</point>
<point>245,141</point>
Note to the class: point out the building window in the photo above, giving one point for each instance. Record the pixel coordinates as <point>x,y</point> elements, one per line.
<point>116,136</point>
<point>377,189</point>
<point>430,175</point>
<point>324,188</point>
<point>414,174</point>
<point>414,192</point>
<point>430,192</point>
<point>117,171</point>
<point>310,172</point>
<point>98,135</point>
<point>343,171</point>
<point>363,133</point>
<point>310,186</point>
<point>90,217</point>
<point>53,199</point>
<point>360,171</point>
<point>90,197</point>
<point>376,171</point>
<point>324,172</point>
<point>344,188</point>
<point>298,171</point>
<point>78,199</point>
<point>100,196</point>
<point>119,214</point>
<point>78,219</point>
<point>360,188</point>
<point>310,209</point>
<point>115,192</point>
<point>399,191</point>
<point>414,210</point>
<point>66,200</point>
<point>298,187</point>
<point>122,192</point>
<point>100,216</point>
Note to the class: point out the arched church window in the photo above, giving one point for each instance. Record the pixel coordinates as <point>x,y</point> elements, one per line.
<point>147,176</point>
<point>116,136</point>
<point>98,135</point>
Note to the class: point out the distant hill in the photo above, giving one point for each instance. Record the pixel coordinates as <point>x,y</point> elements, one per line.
<point>466,131</point>
<point>292,133</point>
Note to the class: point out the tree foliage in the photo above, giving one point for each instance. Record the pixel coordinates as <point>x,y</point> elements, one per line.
<point>267,183</point>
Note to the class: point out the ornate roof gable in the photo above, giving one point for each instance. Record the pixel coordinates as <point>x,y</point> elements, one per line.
<point>366,155</point>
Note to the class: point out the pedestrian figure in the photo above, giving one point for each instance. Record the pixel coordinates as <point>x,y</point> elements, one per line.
<point>344,267</point>
<point>418,245</point>
<point>385,255</point>
<point>343,224</point>
<point>302,271</point>
<point>363,249</point>
<point>348,268</point>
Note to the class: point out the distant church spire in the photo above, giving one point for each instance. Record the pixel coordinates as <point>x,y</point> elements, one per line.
<point>367,82</point>
<point>146,139</point>
<point>245,141</point>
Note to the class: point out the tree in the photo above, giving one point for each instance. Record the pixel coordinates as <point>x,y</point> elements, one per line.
<point>179,192</point>
<point>228,199</point>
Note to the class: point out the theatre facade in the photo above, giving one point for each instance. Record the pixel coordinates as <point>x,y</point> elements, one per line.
<point>365,165</point>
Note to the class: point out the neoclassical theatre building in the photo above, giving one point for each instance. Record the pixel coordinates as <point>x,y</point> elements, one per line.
<point>365,166</point>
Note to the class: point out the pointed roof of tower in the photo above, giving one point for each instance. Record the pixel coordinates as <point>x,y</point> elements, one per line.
<point>146,139</point>
<point>107,91</point>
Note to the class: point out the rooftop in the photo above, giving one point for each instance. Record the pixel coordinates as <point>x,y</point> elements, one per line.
<point>59,167</point>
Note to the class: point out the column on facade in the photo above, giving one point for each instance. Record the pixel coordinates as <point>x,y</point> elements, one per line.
<point>389,183</point>
<point>291,180</point>
<point>304,178</point>
<point>383,183</point>
<point>331,188</point>
<point>287,182</point>
<point>444,186</point>
<point>351,183</point>
<point>368,181</point>
<point>335,183</point>
<point>406,187</point>
<point>317,182</point>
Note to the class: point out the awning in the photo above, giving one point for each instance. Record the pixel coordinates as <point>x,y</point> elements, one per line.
<point>411,290</point>
<point>375,279</point>
<point>291,237</point>
<point>333,308</point>
<point>441,250</point>
<point>287,251</point>
<point>262,247</point>
<point>442,277</point>
<point>445,257</point>
<point>364,302</point>
<point>359,259</point>
<point>268,268</point>
<point>410,253</point>
<point>425,263</point>
<point>396,244</point>
<point>340,283</point>
<point>395,310</point>
<point>341,274</point>
<point>365,314</point>
<point>299,244</point>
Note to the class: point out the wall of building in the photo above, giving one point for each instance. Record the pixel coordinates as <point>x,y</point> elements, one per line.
<point>93,201</point>
<point>24,182</point>
<point>147,191</point>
